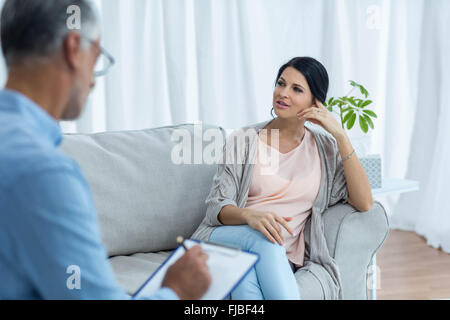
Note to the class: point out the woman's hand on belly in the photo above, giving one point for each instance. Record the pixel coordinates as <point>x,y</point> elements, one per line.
<point>269,224</point>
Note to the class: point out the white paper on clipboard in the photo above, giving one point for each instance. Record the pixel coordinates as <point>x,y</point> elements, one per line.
<point>227,267</point>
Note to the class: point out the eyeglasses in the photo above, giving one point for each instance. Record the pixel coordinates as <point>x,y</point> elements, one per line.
<point>104,61</point>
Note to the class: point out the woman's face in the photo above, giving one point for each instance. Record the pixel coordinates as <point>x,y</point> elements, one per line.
<point>291,94</point>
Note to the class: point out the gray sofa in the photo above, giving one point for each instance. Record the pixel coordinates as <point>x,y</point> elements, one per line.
<point>144,201</point>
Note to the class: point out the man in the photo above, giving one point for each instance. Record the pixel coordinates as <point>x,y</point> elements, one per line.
<point>47,218</point>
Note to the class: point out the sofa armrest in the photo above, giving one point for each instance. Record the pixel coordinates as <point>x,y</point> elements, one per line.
<point>353,238</point>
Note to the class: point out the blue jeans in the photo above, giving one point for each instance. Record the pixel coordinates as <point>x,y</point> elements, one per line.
<point>272,277</point>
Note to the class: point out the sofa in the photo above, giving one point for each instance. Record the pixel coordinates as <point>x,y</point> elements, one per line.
<point>144,201</point>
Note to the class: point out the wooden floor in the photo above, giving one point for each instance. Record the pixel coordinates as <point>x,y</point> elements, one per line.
<point>410,269</point>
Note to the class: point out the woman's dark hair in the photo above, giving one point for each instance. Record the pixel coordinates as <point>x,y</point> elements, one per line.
<point>315,73</point>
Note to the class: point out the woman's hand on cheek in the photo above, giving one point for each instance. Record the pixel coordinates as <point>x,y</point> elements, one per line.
<point>320,115</point>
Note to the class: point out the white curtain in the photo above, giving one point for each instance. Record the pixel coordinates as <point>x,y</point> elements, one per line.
<point>428,212</point>
<point>216,60</point>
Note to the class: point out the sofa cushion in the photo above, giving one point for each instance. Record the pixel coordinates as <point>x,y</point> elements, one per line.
<point>144,200</point>
<point>132,271</point>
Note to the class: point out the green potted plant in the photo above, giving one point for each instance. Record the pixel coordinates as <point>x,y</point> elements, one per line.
<point>351,108</point>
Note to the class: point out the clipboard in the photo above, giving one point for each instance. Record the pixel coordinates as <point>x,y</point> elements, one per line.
<point>227,266</point>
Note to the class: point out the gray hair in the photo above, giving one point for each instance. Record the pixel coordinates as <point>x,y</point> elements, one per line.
<point>34,30</point>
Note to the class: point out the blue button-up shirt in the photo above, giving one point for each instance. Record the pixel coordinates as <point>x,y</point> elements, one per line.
<point>50,245</point>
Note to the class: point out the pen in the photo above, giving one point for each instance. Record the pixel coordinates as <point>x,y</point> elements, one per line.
<point>180,241</point>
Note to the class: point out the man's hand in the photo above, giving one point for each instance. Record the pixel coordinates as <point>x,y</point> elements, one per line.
<point>189,277</point>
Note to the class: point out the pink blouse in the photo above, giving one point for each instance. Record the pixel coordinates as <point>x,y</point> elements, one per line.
<point>289,189</point>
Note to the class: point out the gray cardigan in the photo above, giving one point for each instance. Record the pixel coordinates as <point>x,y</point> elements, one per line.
<point>231,184</point>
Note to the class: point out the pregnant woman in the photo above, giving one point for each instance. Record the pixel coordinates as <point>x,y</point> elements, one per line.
<point>264,209</point>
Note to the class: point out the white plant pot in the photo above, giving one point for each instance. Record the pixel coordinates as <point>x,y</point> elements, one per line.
<point>370,162</point>
<point>372,166</point>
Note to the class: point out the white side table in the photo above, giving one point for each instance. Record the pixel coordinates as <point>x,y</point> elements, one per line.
<point>389,186</point>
